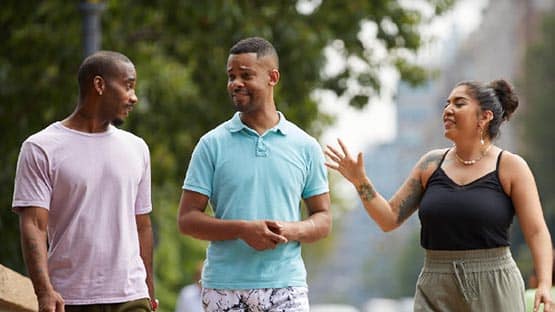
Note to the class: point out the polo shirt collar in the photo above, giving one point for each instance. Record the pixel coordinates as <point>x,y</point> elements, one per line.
<point>236,125</point>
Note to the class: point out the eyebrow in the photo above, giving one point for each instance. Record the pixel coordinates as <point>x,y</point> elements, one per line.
<point>457,98</point>
<point>242,67</point>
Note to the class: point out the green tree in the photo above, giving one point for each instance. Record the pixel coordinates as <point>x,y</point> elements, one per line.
<point>539,92</point>
<point>180,49</point>
<point>538,86</point>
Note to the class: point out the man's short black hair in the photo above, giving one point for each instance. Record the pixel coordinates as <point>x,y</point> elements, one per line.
<point>258,45</point>
<point>101,63</point>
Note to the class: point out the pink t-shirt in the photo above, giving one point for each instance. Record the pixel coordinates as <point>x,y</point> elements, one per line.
<point>93,185</point>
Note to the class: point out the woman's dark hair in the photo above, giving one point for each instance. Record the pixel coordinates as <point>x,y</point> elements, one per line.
<point>497,96</point>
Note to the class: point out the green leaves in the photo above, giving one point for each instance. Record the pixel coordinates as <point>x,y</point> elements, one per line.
<point>180,49</point>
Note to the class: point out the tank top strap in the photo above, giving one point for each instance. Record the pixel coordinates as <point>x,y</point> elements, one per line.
<point>443,158</point>
<point>436,170</point>
<point>498,161</point>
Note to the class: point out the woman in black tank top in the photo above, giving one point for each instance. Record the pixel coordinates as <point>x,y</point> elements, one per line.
<point>466,197</point>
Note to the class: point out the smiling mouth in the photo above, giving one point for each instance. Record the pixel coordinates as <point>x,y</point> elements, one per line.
<point>239,97</point>
<point>243,92</point>
<point>447,123</point>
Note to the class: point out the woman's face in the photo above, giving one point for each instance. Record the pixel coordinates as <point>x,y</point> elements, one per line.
<point>461,115</point>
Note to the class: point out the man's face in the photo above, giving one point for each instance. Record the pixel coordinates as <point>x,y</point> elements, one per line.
<point>249,81</point>
<point>120,93</point>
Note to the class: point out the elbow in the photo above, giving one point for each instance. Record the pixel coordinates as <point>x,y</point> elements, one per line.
<point>328,228</point>
<point>318,231</point>
<point>183,225</point>
<point>388,227</point>
<point>325,229</point>
<point>387,224</point>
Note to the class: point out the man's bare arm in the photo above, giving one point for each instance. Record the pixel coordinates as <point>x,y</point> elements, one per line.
<point>33,223</point>
<point>144,229</point>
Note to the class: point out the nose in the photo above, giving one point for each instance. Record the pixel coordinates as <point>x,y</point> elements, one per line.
<point>448,108</point>
<point>133,97</point>
<point>235,83</point>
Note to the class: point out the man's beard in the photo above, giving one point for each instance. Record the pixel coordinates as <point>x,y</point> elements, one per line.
<point>243,107</point>
<point>117,122</point>
<point>238,108</point>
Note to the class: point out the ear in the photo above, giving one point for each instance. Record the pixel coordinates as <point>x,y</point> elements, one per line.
<point>274,77</point>
<point>485,117</point>
<point>99,84</point>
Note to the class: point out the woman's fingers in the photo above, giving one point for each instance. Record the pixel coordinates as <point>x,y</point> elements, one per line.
<point>332,156</point>
<point>341,160</point>
<point>344,148</point>
<point>335,152</point>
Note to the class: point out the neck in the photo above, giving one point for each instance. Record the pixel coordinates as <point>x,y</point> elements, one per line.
<point>469,157</point>
<point>471,148</point>
<point>261,121</point>
<point>85,119</point>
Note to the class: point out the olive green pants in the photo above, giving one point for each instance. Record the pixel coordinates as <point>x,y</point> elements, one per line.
<point>141,305</point>
<point>484,280</point>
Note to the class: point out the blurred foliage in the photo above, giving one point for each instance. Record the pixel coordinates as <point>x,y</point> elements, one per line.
<point>538,86</point>
<point>180,49</point>
<point>539,92</point>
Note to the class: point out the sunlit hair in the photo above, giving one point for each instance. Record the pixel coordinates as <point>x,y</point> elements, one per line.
<point>257,45</point>
<point>498,97</point>
<point>101,63</point>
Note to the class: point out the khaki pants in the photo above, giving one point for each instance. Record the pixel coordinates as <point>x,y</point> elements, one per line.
<point>470,281</point>
<point>141,305</point>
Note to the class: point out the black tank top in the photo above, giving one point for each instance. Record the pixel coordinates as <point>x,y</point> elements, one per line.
<point>476,215</point>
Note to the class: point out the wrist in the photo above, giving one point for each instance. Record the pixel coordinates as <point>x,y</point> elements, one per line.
<point>357,182</point>
<point>240,228</point>
<point>43,290</point>
<point>154,304</point>
<point>366,191</point>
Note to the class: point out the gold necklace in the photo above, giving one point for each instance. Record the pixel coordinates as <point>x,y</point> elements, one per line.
<point>472,161</point>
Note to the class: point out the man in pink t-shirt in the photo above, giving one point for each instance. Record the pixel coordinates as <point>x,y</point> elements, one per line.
<point>82,191</point>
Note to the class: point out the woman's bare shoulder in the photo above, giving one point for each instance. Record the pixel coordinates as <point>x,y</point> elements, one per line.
<point>431,159</point>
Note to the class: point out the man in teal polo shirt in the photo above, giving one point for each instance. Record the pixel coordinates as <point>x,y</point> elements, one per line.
<point>255,169</point>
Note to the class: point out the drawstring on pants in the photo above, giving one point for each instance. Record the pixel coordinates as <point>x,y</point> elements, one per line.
<point>466,286</point>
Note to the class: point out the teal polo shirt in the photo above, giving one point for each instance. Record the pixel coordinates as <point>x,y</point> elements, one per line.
<point>248,176</point>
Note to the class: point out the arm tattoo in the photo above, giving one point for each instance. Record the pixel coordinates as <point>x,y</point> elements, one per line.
<point>409,204</point>
<point>366,192</point>
<point>433,159</point>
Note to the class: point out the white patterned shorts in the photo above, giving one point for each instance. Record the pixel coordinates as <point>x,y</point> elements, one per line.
<point>288,299</point>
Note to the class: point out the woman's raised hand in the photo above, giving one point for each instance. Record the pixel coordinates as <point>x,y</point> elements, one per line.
<point>342,161</point>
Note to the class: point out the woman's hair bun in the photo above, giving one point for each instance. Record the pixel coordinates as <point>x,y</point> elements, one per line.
<point>506,95</point>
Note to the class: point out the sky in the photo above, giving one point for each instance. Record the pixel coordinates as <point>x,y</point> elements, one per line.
<point>376,123</point>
